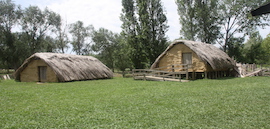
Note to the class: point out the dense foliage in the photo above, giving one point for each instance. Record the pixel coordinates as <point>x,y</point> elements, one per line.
<point>24,32</point>
<point>80,35</point>
<point>199,20</point>
<point>38,30</point>
<point>226,22</point>
<point>111,48</point>
<point>33,25</point>
<point>144,27</point>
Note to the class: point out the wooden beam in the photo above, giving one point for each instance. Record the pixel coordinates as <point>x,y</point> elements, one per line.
<point>261,10</point>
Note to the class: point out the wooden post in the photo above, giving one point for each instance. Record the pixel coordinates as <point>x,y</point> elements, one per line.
<point>193,75</point>
<point>205,75</point>
<point>133,73</point>
<point>144,78</point>
<point>186,72</point>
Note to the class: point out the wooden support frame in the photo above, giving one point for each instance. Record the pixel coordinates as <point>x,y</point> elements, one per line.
<point>176,73</point>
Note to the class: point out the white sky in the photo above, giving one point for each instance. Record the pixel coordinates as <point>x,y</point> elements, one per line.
<point>105,13</point>
<point>100,13</point>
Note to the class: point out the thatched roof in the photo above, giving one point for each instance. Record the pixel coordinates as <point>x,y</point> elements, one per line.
<point>261,10</point>
<point>208,53</point>
<point>70,67</point>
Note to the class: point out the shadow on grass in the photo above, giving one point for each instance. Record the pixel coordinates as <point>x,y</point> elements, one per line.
<point>225,78</point>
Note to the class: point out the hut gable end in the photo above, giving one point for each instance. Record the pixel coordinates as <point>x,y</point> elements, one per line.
<point>204,56</point>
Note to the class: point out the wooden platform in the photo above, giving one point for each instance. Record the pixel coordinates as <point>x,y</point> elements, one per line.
<point>159,75</point>
<point>152,78</point>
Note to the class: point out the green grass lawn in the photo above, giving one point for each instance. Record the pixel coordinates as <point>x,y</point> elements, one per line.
<point>125,103</point>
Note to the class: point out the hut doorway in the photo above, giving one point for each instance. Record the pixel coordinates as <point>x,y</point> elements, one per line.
<point>187,58</point>
<point>42,72</point>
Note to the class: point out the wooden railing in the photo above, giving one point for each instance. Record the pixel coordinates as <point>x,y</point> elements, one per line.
<point>175,67</point>
<point>171,71</point>
<point>252,70</point>
<point>266,72</point>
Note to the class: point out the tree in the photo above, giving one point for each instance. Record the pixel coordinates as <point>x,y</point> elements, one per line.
<point>9,15</point>
<point>50,44</point>
<point>22,48</point>
<point>208,22</point>
<point>33,36</point>
<point>144,26</point>
<point>187,12</point>
<point>111,49</point>
<point>157,42</point>
<point>122,59</point>
<point>199,20</point>
<point>36,23</point>
<point>130,31</point>
<point>236,19</point>
<point>253,51</point>
<point>220,21</point>
<point>235,49</point>
<point>62,40</point>
<point>79,37</point>
<point>105,45</point>
<point>266,48</point>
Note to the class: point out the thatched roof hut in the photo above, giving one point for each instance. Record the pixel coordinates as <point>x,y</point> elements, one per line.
<point>202,57</point>
<point>55,67</point>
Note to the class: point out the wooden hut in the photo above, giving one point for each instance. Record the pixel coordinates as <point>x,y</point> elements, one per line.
<point>55,67</point>
<point>203,60</point>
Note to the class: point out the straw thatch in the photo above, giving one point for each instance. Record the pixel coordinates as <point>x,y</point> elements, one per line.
<point>207,53</point>
<point>66,67</point>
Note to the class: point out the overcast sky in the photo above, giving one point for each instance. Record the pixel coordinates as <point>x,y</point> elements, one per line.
<point>104,13</point>
<point>100,13</point>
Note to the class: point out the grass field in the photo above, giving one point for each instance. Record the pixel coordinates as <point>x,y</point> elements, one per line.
<point>125,103</point>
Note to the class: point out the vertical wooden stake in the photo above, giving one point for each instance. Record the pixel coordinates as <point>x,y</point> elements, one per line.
<point>144,78</point>
<point>205,75</point>
<point>186,72</point>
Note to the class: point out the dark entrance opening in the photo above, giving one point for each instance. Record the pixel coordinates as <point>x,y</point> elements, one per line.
<point>42,73</point>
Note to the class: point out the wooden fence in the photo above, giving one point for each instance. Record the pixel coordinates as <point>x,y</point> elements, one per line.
<point>6,77</point>
<point>175,67</point>
<point>252,70</point>
<point>266,72</point>
<point>246,68</point>
<point>170,73</point>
